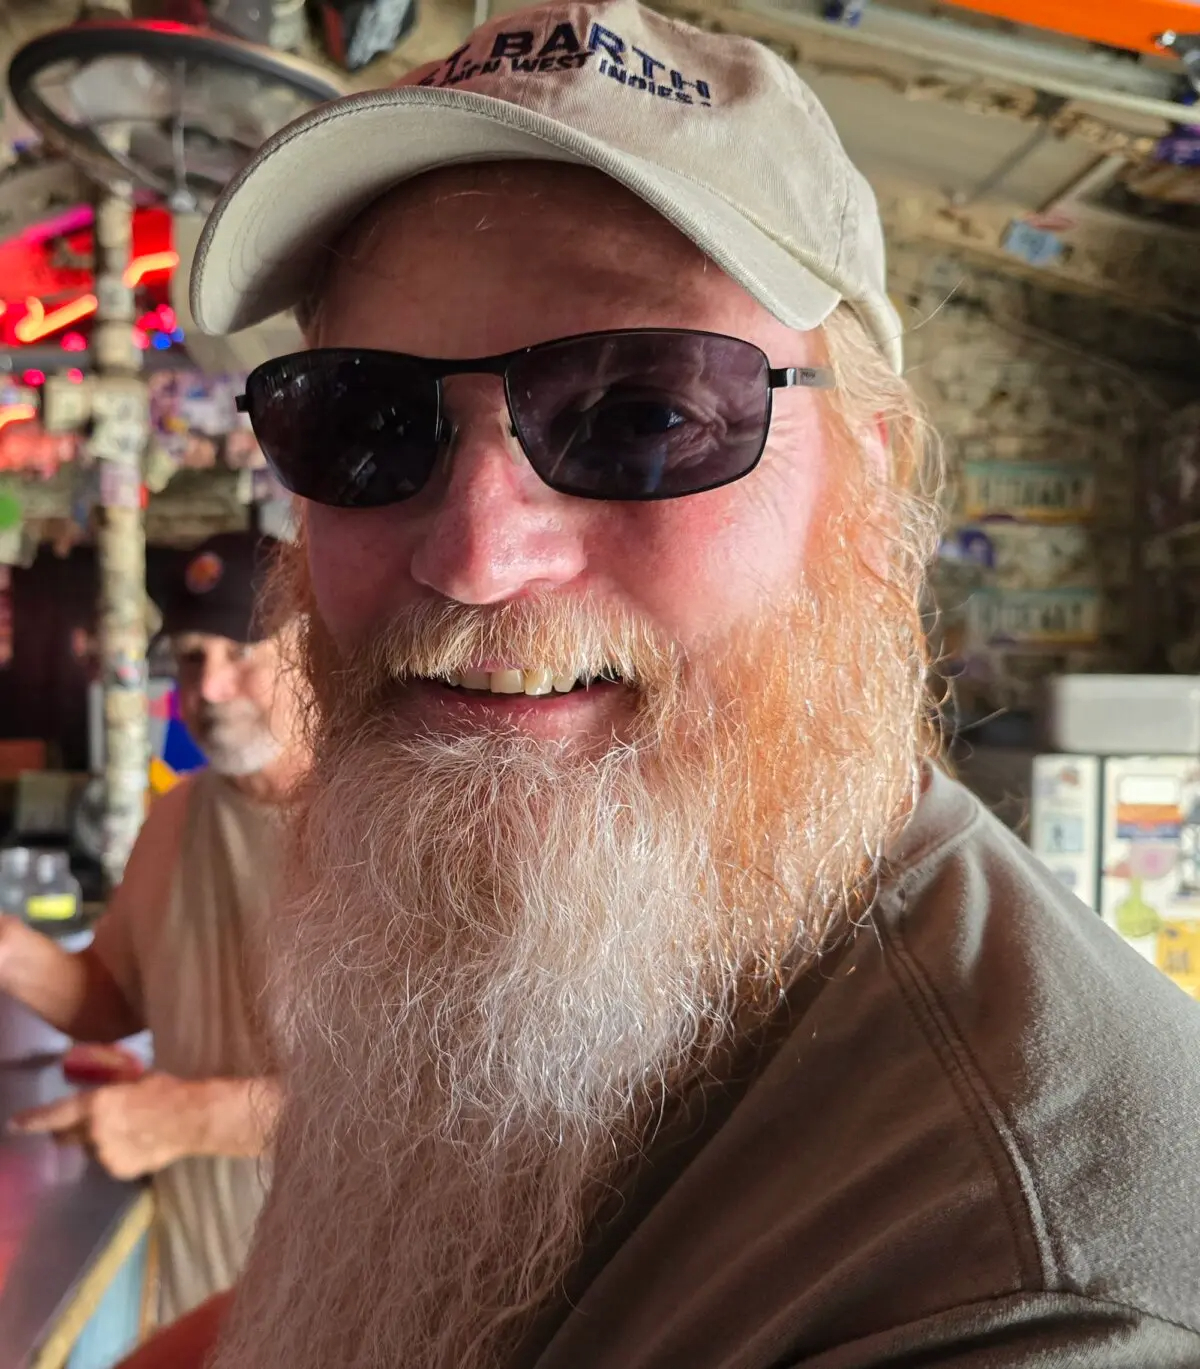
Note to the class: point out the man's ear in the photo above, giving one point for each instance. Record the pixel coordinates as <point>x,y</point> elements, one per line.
<point>879,449</point>
<point>878,528</point>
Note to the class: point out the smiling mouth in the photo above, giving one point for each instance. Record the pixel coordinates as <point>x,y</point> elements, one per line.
<point>533,681</point>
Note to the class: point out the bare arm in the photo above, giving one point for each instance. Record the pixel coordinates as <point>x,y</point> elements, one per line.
<point>73,991</point>
<point>94,994</point>
<point>141,1127</point>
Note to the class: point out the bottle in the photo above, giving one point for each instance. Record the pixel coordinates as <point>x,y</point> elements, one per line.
<point>54,903</point>
<point>15,864</point>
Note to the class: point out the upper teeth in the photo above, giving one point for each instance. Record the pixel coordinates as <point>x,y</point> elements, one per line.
<point>537,680</point>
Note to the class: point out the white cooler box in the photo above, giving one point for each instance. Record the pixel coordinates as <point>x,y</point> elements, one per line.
<point>1124,715</point>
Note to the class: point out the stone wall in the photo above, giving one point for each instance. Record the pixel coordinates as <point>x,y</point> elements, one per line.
<point>1051,409</point>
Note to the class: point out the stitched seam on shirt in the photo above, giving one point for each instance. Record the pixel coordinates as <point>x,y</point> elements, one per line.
<point>1122,1306</point>
<point>1027,1222</point>
<point>1131,1311</point>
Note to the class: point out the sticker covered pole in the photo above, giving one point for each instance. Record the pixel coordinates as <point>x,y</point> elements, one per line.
<point>120,424</point>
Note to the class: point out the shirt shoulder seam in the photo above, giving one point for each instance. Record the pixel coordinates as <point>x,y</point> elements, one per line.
<point>1027,1222</point>
<point>1068,1296</point>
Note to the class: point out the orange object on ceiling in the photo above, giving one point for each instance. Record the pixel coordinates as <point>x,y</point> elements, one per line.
<point>1133,24</point>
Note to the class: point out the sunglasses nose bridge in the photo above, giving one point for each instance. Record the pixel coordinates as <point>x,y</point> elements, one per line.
<point>469,399</point>
<point>490,528</point>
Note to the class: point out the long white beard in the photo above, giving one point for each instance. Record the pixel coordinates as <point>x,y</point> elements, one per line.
<point>501,959</point>
<point>561,928</point>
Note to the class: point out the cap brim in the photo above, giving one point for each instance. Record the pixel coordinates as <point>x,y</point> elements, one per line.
<point>236,624</point>
<point>265,237</point>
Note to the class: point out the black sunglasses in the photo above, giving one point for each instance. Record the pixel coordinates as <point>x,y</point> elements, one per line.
<point>635,415</point>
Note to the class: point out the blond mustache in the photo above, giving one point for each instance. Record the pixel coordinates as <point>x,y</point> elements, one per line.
<point>432,639</point>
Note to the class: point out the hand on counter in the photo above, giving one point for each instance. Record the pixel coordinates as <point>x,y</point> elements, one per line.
<point>133,1129</point>
<point>88,1063</point>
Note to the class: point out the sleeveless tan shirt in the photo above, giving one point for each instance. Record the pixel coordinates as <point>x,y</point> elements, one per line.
<point>183,948</point>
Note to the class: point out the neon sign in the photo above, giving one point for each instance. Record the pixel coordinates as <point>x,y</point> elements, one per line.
<point>16,413</point>
<point>38,324</point>
<point>47,286</point>
<point>141,267</point>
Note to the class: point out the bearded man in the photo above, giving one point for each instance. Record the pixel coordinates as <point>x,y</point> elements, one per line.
<point>178,949</point>
<point>651,999</point>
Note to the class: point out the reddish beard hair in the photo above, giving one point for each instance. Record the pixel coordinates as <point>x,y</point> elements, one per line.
<point>501,960</point>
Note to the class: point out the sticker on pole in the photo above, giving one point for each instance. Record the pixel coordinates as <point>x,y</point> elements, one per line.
<point>120,486</point>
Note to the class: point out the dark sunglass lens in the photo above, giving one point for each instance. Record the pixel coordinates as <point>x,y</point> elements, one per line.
<point>351,429</point>
<point>641,415</point>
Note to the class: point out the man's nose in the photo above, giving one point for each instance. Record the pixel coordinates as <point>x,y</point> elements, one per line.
<point>495,530</point>
<point>218,681</point>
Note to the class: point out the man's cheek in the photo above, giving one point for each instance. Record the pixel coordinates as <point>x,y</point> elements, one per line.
<point>189,707</point>
<point>727,559</point>
<point>356,569</point>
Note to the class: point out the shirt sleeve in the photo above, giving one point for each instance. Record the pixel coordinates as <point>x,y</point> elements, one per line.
<point>112,945</point>
<point>122,933</point>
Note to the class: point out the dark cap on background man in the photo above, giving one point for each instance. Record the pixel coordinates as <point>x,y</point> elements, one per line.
<point>214,588</point>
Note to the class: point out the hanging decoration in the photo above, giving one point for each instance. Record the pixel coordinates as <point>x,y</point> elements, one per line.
<point>194,418</point>
<point>29,448</point>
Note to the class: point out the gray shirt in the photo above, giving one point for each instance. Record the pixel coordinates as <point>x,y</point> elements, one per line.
<point>978,1147</point>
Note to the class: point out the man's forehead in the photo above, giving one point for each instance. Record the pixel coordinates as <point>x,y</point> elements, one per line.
<point>607,240</point>
<point>492,198</point>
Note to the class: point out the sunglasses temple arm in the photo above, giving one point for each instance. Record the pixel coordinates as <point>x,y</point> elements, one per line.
<point>810,377</point>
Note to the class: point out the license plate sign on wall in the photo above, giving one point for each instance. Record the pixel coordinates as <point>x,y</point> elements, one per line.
<point>1035,617</point>
<point>1029,493</point>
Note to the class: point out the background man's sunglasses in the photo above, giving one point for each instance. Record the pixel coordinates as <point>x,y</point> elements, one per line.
<point>643,414</point>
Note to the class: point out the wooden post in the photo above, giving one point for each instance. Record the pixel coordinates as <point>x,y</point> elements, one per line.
<point>120,425</point>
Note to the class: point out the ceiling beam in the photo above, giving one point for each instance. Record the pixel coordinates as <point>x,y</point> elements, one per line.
<point>1133,94</point>
<point>1131,24</point>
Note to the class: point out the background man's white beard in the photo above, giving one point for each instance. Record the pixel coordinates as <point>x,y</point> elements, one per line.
<point>239,748</point>
<point>236,761</point>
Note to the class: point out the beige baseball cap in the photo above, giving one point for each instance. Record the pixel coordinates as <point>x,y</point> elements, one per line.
<point>717,133</point>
